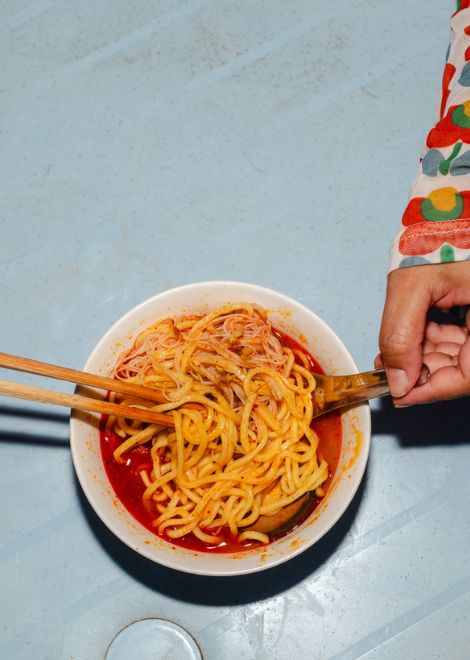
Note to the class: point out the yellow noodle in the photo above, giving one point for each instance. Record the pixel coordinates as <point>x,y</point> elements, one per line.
<point>254,536</point>
<point>138,437</point>
<point>207,538</point>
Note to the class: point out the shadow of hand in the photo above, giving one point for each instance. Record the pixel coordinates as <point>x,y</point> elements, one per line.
<point>443,423</point>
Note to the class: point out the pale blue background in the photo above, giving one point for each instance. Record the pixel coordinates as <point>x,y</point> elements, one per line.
<point>151,144</point>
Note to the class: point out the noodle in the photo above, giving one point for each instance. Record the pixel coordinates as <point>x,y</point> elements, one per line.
<point>242,446</point>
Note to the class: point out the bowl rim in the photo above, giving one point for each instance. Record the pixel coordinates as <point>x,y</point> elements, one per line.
<point>360,463</point>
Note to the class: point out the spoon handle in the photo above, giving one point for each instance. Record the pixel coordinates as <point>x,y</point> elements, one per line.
<point>337,391</point>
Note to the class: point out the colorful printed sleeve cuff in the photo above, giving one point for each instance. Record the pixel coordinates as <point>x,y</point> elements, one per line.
<point>431,243</point>
<point>437,228</point>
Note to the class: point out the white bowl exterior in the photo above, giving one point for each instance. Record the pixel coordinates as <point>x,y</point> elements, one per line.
<point>289,316</point>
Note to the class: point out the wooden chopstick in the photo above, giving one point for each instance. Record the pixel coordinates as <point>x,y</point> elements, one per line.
<point>81,377</point>
<point>79,402</point>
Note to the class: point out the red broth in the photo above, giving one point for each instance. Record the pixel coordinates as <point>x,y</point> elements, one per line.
<point>128,486</point>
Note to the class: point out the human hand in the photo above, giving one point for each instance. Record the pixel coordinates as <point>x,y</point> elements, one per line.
<point>407,339</point>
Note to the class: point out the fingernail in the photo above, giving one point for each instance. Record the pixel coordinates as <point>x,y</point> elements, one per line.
<point>398,382</point>
<point>424,375</point>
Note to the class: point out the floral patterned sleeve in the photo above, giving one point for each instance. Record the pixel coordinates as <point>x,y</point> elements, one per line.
<point>437,219</point>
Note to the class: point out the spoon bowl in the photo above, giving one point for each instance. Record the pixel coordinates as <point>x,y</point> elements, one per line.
<point>331,393</point>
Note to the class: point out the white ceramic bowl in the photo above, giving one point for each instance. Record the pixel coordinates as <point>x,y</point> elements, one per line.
<point>296,320</point>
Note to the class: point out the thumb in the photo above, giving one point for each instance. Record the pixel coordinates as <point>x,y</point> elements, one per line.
<point>402,330</point>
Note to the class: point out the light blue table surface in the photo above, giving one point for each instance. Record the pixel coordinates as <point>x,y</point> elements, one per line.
<point>151,144</point>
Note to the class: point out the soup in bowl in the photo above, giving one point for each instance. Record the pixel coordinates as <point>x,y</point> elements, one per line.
<point>234,362</point>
